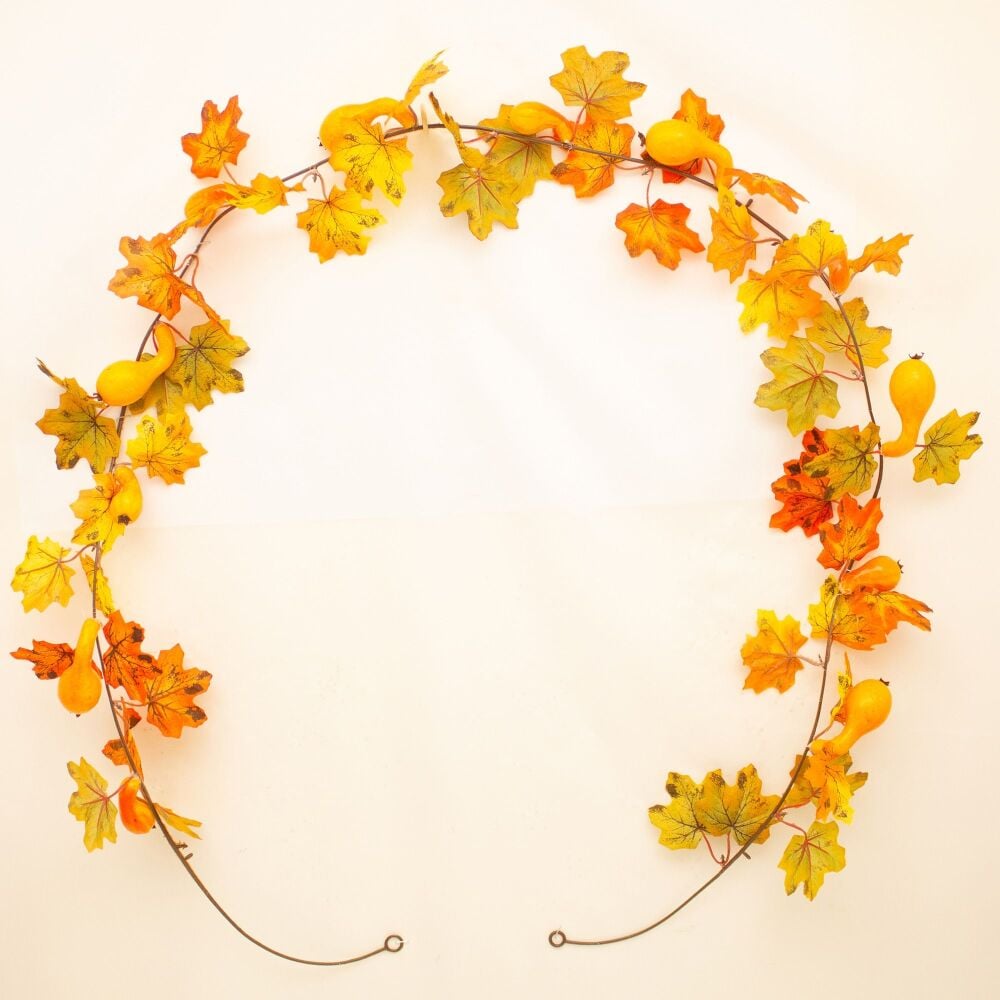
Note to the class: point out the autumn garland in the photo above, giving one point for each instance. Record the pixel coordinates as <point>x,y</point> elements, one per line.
<point>819,492</point>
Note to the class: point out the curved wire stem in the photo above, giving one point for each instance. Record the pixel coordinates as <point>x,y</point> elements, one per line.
<point>393,943</point>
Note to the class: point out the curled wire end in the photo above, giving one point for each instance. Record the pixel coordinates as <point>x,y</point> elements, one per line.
<point>393,944</point>
<point>557,939</point>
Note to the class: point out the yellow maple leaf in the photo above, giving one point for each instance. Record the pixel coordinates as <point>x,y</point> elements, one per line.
<point>946,442</point>
<point>818,252</point>
<point>337,223</point>
<point>738,809</point>
<point>827,774</point>
<point>595,84</point>
<point>205,362</point>
<point>832,333</point>
<point>843,619</point>
<point>430,72</point>
<point>522,158</point>
<point>91,804</point>
<point>770,655</point>
<point>777,299</point>
<point>883,255</point>
<point>734,238</point>
<point>164,447</point>
<point>799,384</point>
<point>80,428</point>
<point>808,858</point>
<point>99,586</point>
<point>43,575</point>
<point>678,822</point>
<point>762,184</point>
<point>849,462</point>
<point>102,520</point>
<point>591,172</point>
<point>219,142</point>
<point>360,149</point>
<point>264,194</point>
<point>178,822</point>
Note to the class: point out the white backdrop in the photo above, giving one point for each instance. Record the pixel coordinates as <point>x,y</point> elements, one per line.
<point>472,558</point>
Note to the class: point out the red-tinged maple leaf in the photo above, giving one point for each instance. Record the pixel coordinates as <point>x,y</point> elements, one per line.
<point>125,664</point>
<point>806,500</point>
<point>48,659</point>
<point>854,535</point>
<point>170,693</point>
<point>889,608</point>
<point>219,142</point>
<point>660,228</point>
<point>589,173</point>
<point>694,110</point>
<point>114,750</point>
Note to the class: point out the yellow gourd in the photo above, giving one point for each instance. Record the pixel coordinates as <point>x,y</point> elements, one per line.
<point>532,117</point>
<point>880,573</point>
<point>127,501</point>
<point>125,382</point>
<point>911,389</point>
<point>675,142</point>
<point>136,815</point>
<point>866,707</point>
<point>80,684</point>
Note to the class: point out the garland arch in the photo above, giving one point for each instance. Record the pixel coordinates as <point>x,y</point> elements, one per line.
<point>829,489</point>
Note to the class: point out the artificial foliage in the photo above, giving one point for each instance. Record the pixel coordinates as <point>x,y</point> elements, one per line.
<point>800,292</point>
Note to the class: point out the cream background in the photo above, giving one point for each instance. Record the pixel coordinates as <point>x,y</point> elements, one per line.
<point>471,568</point>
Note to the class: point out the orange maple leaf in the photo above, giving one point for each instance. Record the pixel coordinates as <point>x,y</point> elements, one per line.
<point>149,276</point>
<point>853,536</point>
<point>114,750</point>
<point>762,184</point>
<point>883,255</point>
<point>778,298</point>
<point>170,693</point>
<point>125,665</point>
<point>589,173</point>
<point>48,659</point>
<point>806,500</point>
<point>734,238</point>
<point>219,142</point>
<point>660,228</point>
<point>771,653</point>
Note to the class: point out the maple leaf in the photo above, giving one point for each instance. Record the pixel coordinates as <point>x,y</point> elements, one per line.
<point>102,518</point>
<point>660,228</point>
<point>264,194</point>
<point>771,653</point>
<point>43,575</point>
<point>178,822</point>
<point>164,448</point>
<point>777,299</point>
<point>523,159</point>
<point>946,442</point>
<point>883,255</point>
<point>844,619</point>
<point>98,584</point>
<point>733,242</point>
<point>595,84</point>
<point>149,276</point>
<point>853,536</point>
<point>589,173</point>
<point>429,73</point>
<point>694,110</point>
<point>762,184</point>
<point>844,684</point>
<point>219,142</point>
<point>738,809</point>
<point>832,789</point>
<point>369,160</point>
<point>205,362</point>
<point>678,822</point>
<point>814,254</point>
<point>338,223</point>
<point>808,859</point>
<point>832,333</point>
<point>170,693</point>
<point>163,395</point>
<point>806,500</point>
<point>91,804</point>
<point>889,608</point>
<point>799,385</point>
<point>848,463</point>
<point>125,664</point>
<point>115,750</point>
<point>48,659</point>
<point>81,430</point>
